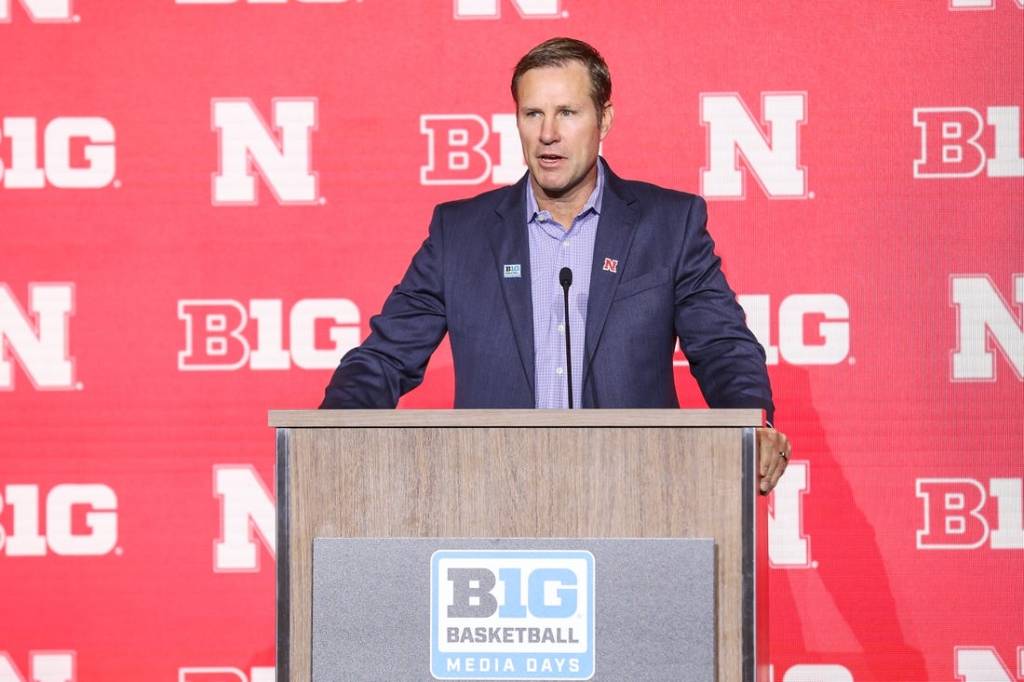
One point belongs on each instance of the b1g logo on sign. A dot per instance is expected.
(512, 615)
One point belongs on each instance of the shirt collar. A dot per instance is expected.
(593, 201)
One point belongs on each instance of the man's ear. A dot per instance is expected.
(606, 119)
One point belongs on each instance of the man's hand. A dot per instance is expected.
(775, 449)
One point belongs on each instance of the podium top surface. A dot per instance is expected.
(514, 418)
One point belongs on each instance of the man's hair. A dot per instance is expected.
(560, 51)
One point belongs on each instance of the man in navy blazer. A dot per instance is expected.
(653, 277)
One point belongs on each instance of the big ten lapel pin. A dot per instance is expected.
(513, 271)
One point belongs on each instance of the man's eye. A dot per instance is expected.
(567, 112)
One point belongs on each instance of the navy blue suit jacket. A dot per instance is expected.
(668, 283)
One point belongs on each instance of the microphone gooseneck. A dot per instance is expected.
(565, 279)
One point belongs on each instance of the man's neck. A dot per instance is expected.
(565, 208)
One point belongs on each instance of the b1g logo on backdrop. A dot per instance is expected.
(954, 513)
(259, 2)
(951, 146)
(984, 4)
(771, 151)
(512, 615)
(39, 338)
(81, 520)
(78, 153)
(43, 666)
(813, 672)
(40, 11)
(218, 334)
(491, 9)
(224, 674)
(247, 144)
(985, 322)
(788, 545)
(809, 329)
(460, 152)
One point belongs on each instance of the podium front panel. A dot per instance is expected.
(572, 609)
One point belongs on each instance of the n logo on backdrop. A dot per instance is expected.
(248, 146)
(43, 666)
(491, 9)
(985, 322)
(247, 511)
(770, 151)
(39, 338)
(984, 664)
(40, 11)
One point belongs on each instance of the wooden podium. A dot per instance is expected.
(525, 474)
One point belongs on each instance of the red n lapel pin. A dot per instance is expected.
(610, 265)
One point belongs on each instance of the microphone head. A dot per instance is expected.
(565, 277)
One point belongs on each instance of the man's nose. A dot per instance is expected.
(549, 130)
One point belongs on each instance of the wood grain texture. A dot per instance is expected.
(517, 482)
(536, 418)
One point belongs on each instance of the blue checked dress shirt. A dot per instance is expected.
(551, 249)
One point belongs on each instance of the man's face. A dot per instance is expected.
(559, 128)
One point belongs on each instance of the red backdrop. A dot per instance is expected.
(202, 204)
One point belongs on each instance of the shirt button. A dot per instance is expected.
(559, 370)
(561, 328)
(565, 242)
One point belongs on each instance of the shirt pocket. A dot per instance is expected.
(648, 280)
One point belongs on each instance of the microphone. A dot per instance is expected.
(565, 279)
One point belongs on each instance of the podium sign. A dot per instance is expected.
(513, 609)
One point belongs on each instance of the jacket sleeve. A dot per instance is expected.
(724, 356)
(392, 359)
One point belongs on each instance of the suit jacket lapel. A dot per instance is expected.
(511, 246)
(615, 230)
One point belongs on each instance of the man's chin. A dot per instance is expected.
(553, 187)
(554, 192)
